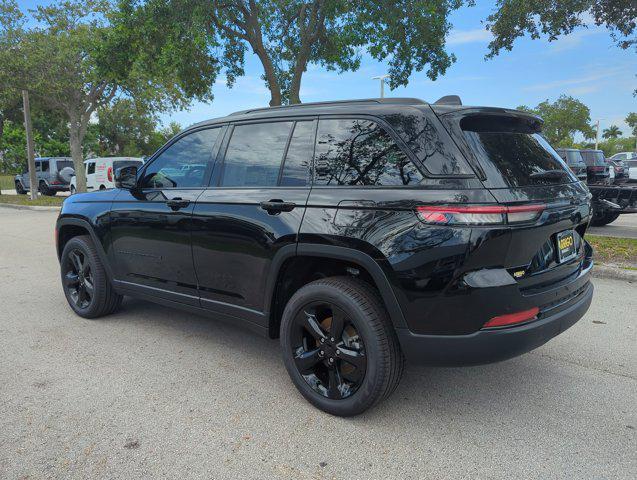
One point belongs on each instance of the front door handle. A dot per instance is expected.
(276, 206)
(177, 203)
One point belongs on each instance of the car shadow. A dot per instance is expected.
(485, 390)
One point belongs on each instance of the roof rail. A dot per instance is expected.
(390, 101)
(449, 100)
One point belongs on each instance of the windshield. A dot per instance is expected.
(126, 163)
(519, 158)
(593, 157)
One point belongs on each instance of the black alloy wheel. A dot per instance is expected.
(78, 279)
(328, 350)
(339, 345)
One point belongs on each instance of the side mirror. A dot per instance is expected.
(126, 177)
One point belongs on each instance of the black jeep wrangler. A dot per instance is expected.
(360, 233)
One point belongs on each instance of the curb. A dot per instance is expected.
(30, 207)
(615, 273)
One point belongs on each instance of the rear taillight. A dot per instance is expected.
(109, 174)
(479, 214)
(512, 318)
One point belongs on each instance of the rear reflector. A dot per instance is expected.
(512, 318)
(479, 214)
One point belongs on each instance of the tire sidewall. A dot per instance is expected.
(367, 393)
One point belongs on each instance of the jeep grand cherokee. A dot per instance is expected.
(359, 233)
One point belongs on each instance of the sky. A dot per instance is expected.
(585, 64)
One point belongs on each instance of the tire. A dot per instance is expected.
(102, 187)
(43, 188)
(72, 190)
(358, 304)
(604, 219)
(80, 251)
(19, 189)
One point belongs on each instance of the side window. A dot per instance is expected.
(184, 163)
(90, 168)
(298, 160)
(254, 154)
(360, 152)
(45, 166)
(38, 166)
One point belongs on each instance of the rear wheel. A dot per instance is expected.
(44, 189)
(601, 219)
(339, 346)
(86, 285)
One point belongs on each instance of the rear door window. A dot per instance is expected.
(254, 154)
(512, 154)
(360, 152)
(298, 159)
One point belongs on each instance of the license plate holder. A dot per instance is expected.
(565, 246)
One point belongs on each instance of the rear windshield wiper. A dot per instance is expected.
(549, 175)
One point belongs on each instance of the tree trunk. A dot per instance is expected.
(33, 181)
(295, 86)
(75, 141)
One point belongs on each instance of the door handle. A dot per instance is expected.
(276, 206)
(177, 203)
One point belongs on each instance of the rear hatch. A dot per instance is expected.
(519, 167)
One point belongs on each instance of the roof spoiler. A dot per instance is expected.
(449, 100)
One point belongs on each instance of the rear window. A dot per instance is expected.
(574, 158)
(513, 150)
(62, 164)
(593, 157)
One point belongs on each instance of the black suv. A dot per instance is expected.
(596, 167)
(360, 233)
(574, 160)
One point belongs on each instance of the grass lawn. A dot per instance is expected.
(6, 182)
(25, 200)
(621, 251)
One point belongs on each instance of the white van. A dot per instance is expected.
(100, 172)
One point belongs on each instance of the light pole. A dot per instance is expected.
(382, 84)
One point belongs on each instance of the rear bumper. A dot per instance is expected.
(494, 345)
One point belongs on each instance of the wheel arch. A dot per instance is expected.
(310, 254)
(67, 228)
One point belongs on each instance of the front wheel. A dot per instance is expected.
(19, 189)
(72, 190)
(339, 346)
(84, 280)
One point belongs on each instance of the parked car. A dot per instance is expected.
(359, 233)
(619, 171)
(53, 175)
(574, 160)
(597, 169)
(632, 169)
(100, 171)
(624, 156)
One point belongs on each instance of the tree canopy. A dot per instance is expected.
(289, 35)
(563, 119)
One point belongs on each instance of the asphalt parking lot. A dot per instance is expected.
(625, 226)
(156, 393)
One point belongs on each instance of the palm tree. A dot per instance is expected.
(612, 132)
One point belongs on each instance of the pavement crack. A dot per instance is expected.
(588, 367)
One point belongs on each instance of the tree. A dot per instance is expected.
(513, 19)
(562, 119)
(631, 120)
(66, 62)
(612, 132)
(288, 36)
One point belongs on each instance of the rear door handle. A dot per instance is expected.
(275, 206)
(177, 203)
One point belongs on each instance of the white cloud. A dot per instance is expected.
(477, 35)
(579, 80)
(583, 90)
